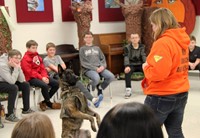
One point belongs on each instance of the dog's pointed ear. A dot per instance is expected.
(60, 70)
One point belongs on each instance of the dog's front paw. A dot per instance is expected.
(98, 119)
(94, 128)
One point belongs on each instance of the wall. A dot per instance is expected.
(62, 32)
(196, 31)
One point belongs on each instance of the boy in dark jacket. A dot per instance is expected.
(134, 57)
(194, 55)
(36, 74)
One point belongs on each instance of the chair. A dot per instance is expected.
(136, 76)
(194, 73)
(34, 89)
(4, 97)
(86, 81)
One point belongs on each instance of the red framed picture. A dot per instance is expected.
(66, 11)
(2, 3)
(108, 13)
(34, 11)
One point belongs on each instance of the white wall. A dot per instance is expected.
(196, 31)
(60, 32)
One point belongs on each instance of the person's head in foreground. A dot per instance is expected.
(130, 120)
(36, 125)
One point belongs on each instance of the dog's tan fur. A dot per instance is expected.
(74, 110)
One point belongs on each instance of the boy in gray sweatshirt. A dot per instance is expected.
(12, 80)
(94, 64)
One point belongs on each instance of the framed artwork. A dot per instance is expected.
(109, 11)
(66, 11)
(67, 15)
(2, 3)
(34, 11)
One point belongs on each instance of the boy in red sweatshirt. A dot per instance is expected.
(36, 74)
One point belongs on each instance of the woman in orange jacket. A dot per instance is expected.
(166, 81)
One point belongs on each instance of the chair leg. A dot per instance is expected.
(34, 98)
(110, 91)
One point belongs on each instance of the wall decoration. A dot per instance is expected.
(34, 11)
(5, 33)
(2, 3)
(185, 14)
(197, 4)
(111, 4)
(132, 12)
(66, 11)
(108, 11)
(35, 5)
(82, 14)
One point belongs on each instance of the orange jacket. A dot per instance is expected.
(167, 72)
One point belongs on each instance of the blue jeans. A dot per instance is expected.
(170, 111)
(95, 77)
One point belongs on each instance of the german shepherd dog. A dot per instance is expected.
(74, 107)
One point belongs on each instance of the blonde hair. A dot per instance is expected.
(164, 19)
(49, 45)
(36, 125)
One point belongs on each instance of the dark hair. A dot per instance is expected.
(31, 43)
(88, 33)
(130, 120)
(14, 52)
(192, 38)
(49, 45)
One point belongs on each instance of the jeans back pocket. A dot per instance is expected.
(166, 104)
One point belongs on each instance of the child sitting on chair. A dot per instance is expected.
(134, 57)
(51, 62)
(36, 74)
(94, 64)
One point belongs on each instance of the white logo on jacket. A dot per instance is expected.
(36, 60)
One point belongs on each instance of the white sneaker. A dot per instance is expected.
(128, 93)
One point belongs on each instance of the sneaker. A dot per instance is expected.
(56, 106)
(128, 93)
(12, 118)
(43, 106)
(98, 101)
(28, 111)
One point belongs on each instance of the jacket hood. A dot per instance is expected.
(4, 58)
(179, 35)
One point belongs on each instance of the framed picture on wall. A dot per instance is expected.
(34, 11)
(66, 11)
(67, 15)
(109, 11)
(2, 3)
